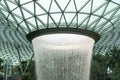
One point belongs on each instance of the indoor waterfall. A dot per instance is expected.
(63, 58)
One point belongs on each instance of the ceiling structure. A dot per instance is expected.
(20, 17)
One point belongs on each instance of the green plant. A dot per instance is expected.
(30, 72)
(106, 66)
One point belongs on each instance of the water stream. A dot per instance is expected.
(63, 59)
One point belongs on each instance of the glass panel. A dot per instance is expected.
(117, 1)
(54, 7)
(99, 25)
(62, 3)
(43, 19)
(11, 5)
(29, 7)
(33, 22)
(2, 4)
(26, 14)
(97, 3)
(117, 24)
(63, 22)
(81, 19)
(18, 12)
(110, 15)
(5, 13)
(111, 6)
(45, 3)
(71, 7)
(117, 14)
(24, 1)
(11, 18)
(100, 11)
(87, 8)
(69, 17)
(39, 10)
(80, 3)
(52, 23)
(24, 25)
(92, 19)
(18, 19)
(56, 17)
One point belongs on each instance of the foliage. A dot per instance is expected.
(1, 67)
(1, 61)
(114, 64)
(28, 76)
(99, 67)
(30, 72)
(106, 66)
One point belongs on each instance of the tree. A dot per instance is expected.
(99, 67)
(30, 72)
(106, 66)
(114, 63)
(1, 69)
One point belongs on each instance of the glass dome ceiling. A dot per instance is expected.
(31, 15)
(20, 17)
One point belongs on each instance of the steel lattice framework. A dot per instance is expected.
(20, 17)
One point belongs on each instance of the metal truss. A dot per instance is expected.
(26, 16)
(100, 19)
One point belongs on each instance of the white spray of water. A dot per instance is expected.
(64, 62)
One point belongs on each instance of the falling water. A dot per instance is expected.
(63, 62)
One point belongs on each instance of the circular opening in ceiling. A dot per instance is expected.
(62, 40)
(72, 31)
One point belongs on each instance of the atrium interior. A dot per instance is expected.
(59, 39)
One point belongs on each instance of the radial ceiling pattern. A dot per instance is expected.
(13, 45)
(20, 17)
(29, 15)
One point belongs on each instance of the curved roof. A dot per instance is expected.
(20, 17)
